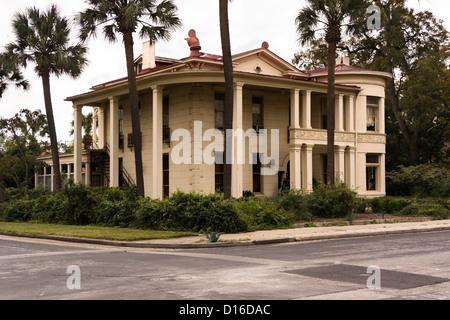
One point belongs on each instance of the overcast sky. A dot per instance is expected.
(251, 23)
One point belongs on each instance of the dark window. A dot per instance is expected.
(371, 178)
(219, 108)
(372, 113)
(166, 128)
(324, 166)
(256, 173)
(120, 119)
(166, 189)
(257, 113)
(372, 165)
(323, 113)
(121, 127)
(218, 171)
(372, 158)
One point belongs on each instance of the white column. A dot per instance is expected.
(295, 162)
(382, 174)
(381, 120)
(87, 174)
(339, 112)
(113, 141)
(340, 162)
(350, 167)
(101, 127)
(307, 168)
(94, 126)
(350, 113)
(295, 108)
(306, 109)
(77, 143)
(157, 149)
(295, 148)
(237, 167)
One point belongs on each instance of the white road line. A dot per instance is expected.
(56, 253)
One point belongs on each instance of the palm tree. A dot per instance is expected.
(42, 38)
(228, 72)
(157, 19)
(10, 75)
(331, 16)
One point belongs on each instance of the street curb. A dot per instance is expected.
(224, 243)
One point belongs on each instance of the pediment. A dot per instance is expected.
(263, 61)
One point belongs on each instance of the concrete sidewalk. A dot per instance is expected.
(306, 234)
(271, 236)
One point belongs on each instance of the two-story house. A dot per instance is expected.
(276, 106)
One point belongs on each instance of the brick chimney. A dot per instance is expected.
(148, 55)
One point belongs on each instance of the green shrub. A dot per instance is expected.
(190, 212)
(329, 201)
(149, 214)
(77, 204)
(392, 205)
(294, 201)
(423, 180)
(117, 207)
(361, 204)
(434, 210)
(16, 210)
(264, 213)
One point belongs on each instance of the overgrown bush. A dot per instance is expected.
(391, 205)
(408, 206)
(116, 206)
(424, 180)
(435, 210)
(328, 201)
(294, 201)
(16, 210)
(77, 205)
(190, 212)
(263, 213)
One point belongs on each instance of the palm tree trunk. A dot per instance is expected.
(134, 106)
(52, 131)
(330, 111)
(228, 109)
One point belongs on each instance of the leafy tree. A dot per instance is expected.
(408, 45)
(42, 38)
(413, 46)
(314, 57)
(156, 19)
(86, 124)
(330, 16)
(21, 146)
(10, 75)
(228, 100)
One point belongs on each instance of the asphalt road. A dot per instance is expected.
(407, 266)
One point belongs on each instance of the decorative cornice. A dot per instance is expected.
(372, 138)
(317, 134)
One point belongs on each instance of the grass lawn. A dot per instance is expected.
(92, 232)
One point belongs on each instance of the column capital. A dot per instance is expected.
(157, 88)
(113, 99)
(339, 148)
